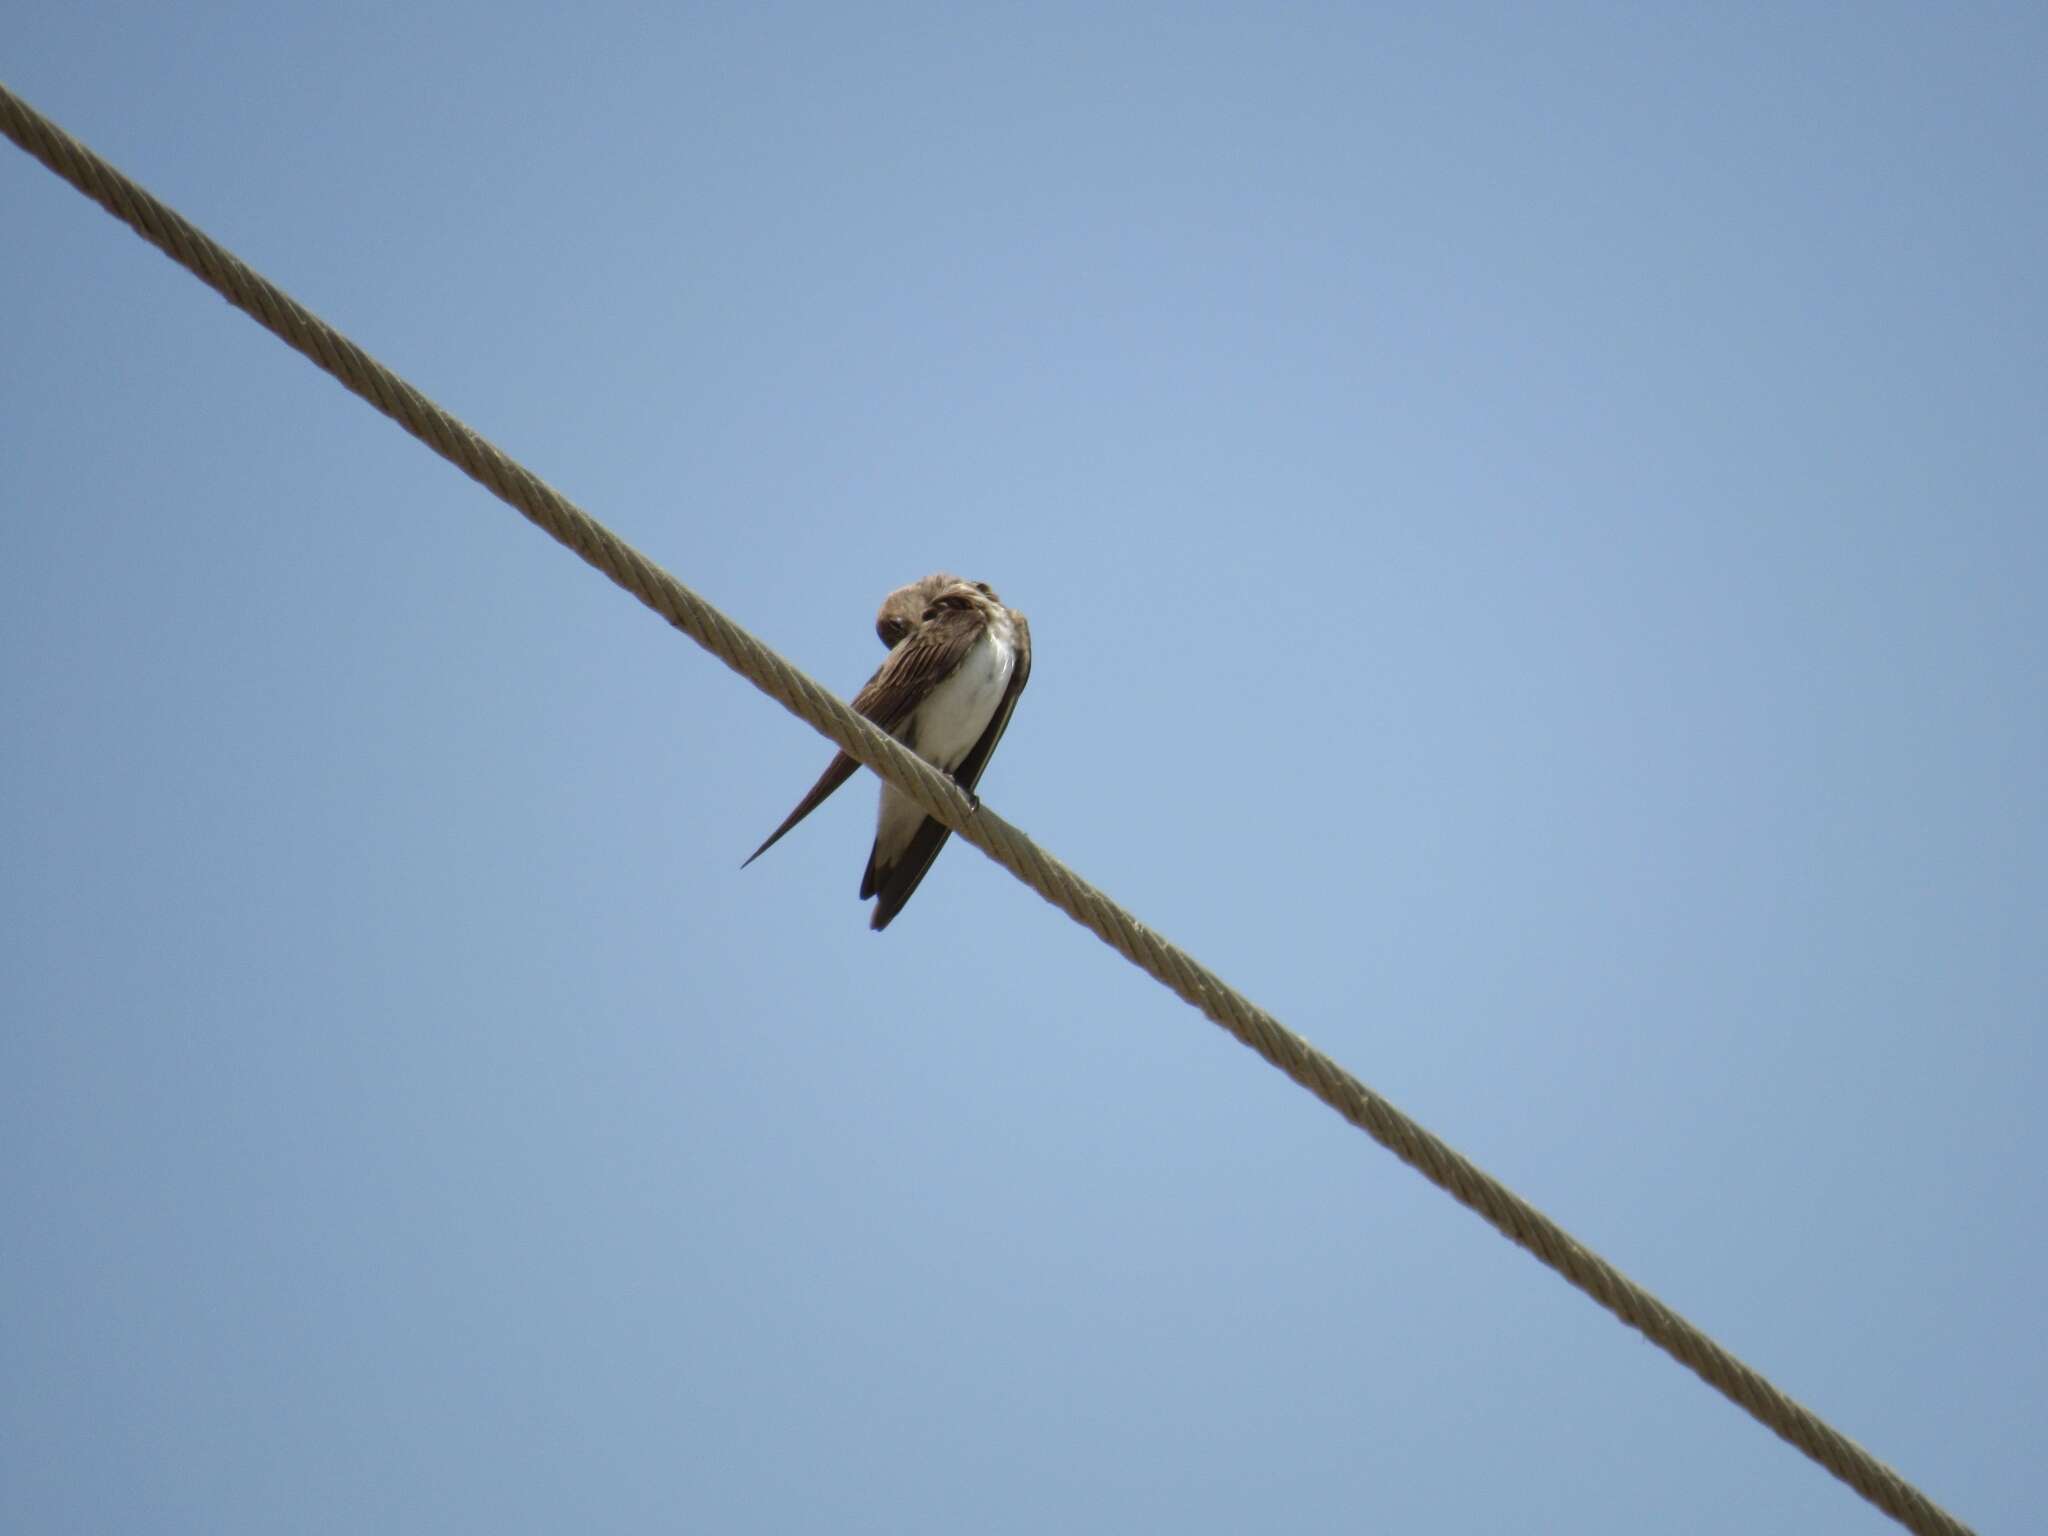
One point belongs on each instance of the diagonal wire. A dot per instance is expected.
(936, 794)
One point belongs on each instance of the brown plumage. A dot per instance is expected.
(902, 609)
(955, 646)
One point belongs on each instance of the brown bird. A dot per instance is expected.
(958, 660)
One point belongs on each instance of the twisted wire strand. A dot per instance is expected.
(936, 794)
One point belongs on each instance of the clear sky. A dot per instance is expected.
(1533, 523)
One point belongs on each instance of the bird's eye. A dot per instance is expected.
(931, 613)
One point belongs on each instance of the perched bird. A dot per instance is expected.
(958, 659)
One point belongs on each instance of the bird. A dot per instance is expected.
(958, 660)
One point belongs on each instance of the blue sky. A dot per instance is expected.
(1532, 522)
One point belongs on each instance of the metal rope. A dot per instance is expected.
(936, 794)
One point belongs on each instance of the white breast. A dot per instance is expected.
(952, 718)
